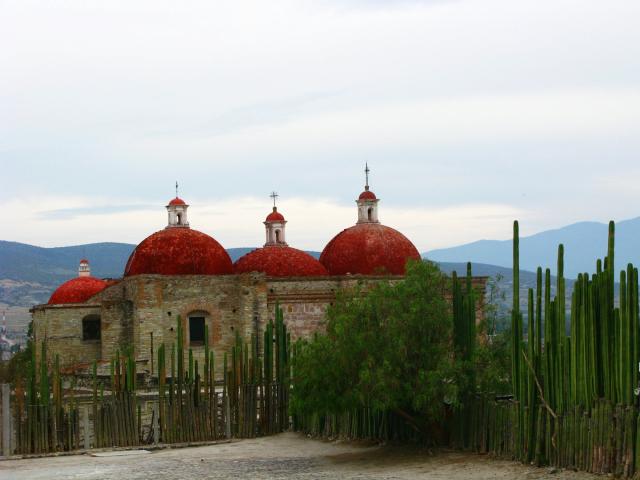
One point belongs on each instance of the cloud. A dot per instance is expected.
(237, 222)
(462, 105)
(72, 213)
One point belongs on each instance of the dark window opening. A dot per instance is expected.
(370, 214)
(179, 219)
(277, 235)
(91, 328)
(196, 330)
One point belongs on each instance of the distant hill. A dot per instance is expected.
(583, 243)
(29, 274)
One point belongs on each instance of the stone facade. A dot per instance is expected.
(140, 313)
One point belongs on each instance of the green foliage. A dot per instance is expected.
(17, 365)
(388, 349)
(492, 365)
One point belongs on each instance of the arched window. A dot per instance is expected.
(277, 236)
(370, 214)
(179, 218)
(91, 328)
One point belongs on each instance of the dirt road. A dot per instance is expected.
(285, 456)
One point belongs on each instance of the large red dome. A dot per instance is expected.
(368, 249)
(279, 261)
(179, 251)
(77, 290)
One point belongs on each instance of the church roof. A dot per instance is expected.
(177, 201)
(179, 251)
(368, 249)
(77, 290)
(275, 216)
(367, 195)
(279, 261)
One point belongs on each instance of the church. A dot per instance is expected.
(180, 272)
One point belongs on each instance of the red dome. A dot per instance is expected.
(280, 261)
(77, 290)
(368, 248)
(177, 201)
(367, 195)
(275, 216)
(179, 251)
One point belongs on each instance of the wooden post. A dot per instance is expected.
(227, 418)
(156, 424)
(85, 427)
(6, 420)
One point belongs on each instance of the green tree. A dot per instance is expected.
(388, 348)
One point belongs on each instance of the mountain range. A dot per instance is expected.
(29, 274)
(583, 242)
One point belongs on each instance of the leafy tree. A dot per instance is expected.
(388, 349)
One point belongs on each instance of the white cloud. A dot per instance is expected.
(238, 222)
(463, 107)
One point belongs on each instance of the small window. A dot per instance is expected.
(91, 327)
(179, 219)
(278, 236)
(196, 330)
(370, 214)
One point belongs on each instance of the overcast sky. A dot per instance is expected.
(471, 113)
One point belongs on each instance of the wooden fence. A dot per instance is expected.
(248, 398)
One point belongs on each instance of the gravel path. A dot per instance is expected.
(284, 456)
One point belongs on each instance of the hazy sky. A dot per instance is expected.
(471, 113)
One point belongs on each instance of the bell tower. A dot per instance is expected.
(367, 202)
(84, 270)
(177, 210)
(274, 225)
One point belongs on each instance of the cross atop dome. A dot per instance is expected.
(177, 210)
(367, 202)
(366, 176)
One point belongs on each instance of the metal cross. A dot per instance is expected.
(274, 195)
(176, 189)
(366, 173)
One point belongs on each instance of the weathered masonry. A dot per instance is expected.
(179, 272)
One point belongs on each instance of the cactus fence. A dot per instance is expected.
(249, 398)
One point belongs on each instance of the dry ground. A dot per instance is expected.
(285, 456)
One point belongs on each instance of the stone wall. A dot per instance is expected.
(305, 300)
(61, 327)
(144, 309)
(140, 312)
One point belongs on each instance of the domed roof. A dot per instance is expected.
(275, 216)
(368, 249)
(367, 195)
(177, 201)
(179, 251)
(77, 290)
(279, 261)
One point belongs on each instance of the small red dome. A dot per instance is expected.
(84, 260)
(367, 195)
(368, 249)
(279, 261)
(177, 201)
(179, 251)
(77, 290)
(275, 216)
